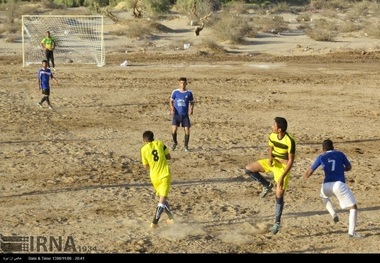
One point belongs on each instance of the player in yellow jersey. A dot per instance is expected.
(154, 157)
(282, 150)
(48, 44)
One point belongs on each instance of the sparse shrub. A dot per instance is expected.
(322, 30)
(137, 29)
(361, 9)
(211, 44)
(350, 26)
(372, 29)
(196, 9)
(140, 28)
(233, 28)
(281, 7)
(51, 4)
(303, 18)
(329, 4)
(156, 8)
(271, 24)
(329, 13)
(235, 7)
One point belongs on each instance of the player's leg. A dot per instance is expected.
(157, 215)
(325, 194)
(47, 54)
(254, 169)
(47, 96)
(175, 124)
(278, 170)
(186, 125)
(162, 190)
(44, 97)
(52, 59)
(347, 201)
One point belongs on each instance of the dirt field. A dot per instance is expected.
(75, 171)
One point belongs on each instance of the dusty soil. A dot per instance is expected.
(75, 171)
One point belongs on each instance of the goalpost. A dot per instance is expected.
(79, 39)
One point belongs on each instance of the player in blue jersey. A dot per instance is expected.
(154, 157)
(334, 163)
(44, 76)
(181, 107)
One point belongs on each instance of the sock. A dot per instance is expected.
(352, 221)
(174, 136)
(167, 210)
(329, 207)
(160, 208)
(257, 177)
(279, 208)
(187, 138)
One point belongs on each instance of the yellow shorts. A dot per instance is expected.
(162, 186)
(277, 169)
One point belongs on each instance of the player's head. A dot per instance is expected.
(281, 123)
(327, 145)
(48, 33)
(44, 63)
(148, 136)
(182, 79)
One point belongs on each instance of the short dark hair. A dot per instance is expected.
(328, 145)
(148, 136)
(44, 61)
(182, 79)
(281, 123)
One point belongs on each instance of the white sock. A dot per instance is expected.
(352, 221)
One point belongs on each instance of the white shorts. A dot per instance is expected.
(341, 191)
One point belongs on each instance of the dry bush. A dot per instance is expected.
(71, 11)
(372, 29)
(329, 4)
(50, 5)
(278, 8)
(329, 13)
(139, 28)
(350, 26)
(12, 38)
(211, 44)
(233, 28)
(322, 30)
(10, 29)
(303, 18)
(271, 24)
(361, 9)
(236, 7)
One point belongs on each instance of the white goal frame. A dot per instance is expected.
(79, 38)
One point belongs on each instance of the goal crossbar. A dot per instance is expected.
(79, 39)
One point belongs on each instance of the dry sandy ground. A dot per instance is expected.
(75, 172)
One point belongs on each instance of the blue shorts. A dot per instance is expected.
(181, 120)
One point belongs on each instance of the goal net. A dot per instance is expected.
(79, 39)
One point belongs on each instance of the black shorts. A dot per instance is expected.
(181, 120)
(46, 92)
